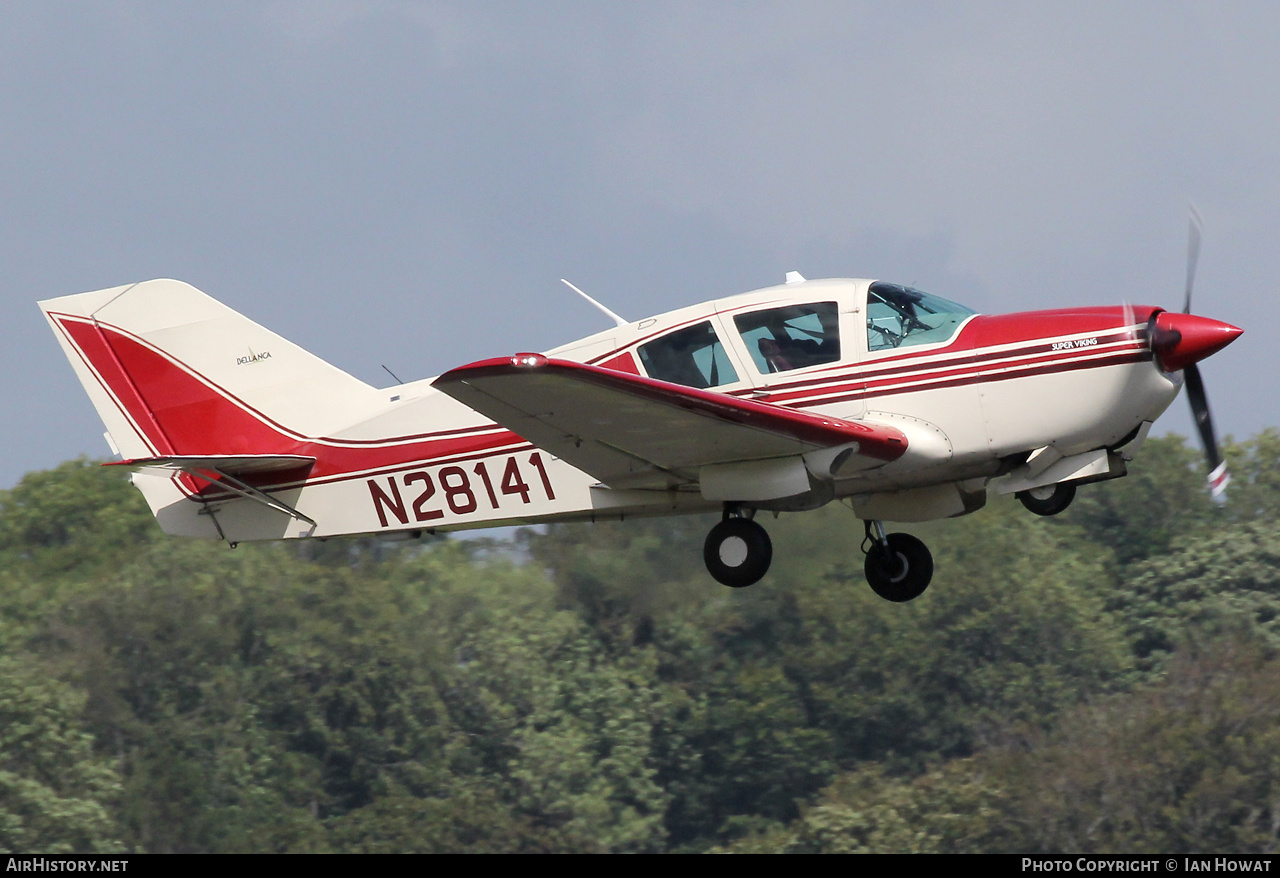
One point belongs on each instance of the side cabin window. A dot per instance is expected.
(692, 356)
(899, 316)
(792, 337)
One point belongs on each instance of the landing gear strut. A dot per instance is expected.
(899, 567)
(1049, 499)
(738, 550)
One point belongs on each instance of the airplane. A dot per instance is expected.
(901, 404)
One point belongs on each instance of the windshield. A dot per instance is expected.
(898, 315)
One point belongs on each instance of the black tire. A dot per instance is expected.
(737, 552)
(1049, 499)
(901, 574)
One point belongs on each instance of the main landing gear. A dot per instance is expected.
(899, 567)
(738, 551)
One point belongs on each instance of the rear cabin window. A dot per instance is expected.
(782, 339)
(692, 356)
(898, 316)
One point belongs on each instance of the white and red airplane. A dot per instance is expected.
(904, 405)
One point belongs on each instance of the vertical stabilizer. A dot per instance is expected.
(171, 371)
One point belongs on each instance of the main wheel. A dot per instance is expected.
(738, 552)
(1048, 499)
(902, 573)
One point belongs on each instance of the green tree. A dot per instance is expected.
(619, 576)
(473, 821)
(562, 727)
(1013, 628)
(56, 794)
(61, 528)
(170, 650)
(599, 692)
(1187, 765)
(956, 808)
(1224, 581)
(1254, 492)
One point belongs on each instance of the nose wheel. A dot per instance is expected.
(738, 551)
(1048, 500)
(899, 567)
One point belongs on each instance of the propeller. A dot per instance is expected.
(1180, 342)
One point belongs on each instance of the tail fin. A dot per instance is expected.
(173, 372)
(204, 404)
(269, 441)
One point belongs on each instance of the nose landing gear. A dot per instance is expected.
(1048, 500)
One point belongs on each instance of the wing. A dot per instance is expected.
(632, 432)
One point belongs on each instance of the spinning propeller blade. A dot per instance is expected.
(1180, 342)
(1193, 254)
(1219, 478)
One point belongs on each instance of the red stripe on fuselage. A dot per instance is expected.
(949, 356)
(996, 367)
(861, 391)
(1026, 347)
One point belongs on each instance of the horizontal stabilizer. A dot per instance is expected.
(224, 464)
(225, 471)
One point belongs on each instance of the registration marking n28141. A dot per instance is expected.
(463, 490)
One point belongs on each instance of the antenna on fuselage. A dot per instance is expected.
(614, 317)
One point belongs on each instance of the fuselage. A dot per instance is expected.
(974, 395)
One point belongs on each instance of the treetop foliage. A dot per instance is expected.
(1102, 681)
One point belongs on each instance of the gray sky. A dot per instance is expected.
(405, 182)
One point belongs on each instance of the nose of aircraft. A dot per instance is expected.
(1178, 340)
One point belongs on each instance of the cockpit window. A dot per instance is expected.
(692, 356)
(782, 339)
(898, 316)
